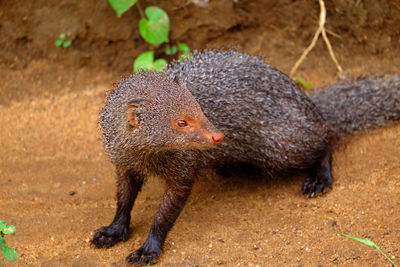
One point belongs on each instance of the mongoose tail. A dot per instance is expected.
(353, 106)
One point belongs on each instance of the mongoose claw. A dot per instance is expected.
(108, 236)
(313, 186)
(143, 256)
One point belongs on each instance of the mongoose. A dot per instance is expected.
(163, 124)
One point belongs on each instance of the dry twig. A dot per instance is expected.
(141, 13)
(321, 30)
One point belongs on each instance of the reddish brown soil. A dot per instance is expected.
(50, 143)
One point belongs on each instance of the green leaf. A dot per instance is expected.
(2, 225)
(121, 6)
(154, 29)
(185, 55)
(67, 43)
(62, 36)
(362, 240)
(59, 43)
(307, 85)
(2, 242)
(9, 229)
(160, 65)
(183, 47)
(144, 61)
(371, 244)
(171, 50)
(9, 253)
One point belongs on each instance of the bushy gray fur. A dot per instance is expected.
(352, 106)
(267, 120)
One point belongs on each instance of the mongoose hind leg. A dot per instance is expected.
(171, 205)
(129, 185)
(320, 178)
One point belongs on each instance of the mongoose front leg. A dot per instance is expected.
(321, 176)
(129, 185)
(171, 205)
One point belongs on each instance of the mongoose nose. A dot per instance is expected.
(217, 138)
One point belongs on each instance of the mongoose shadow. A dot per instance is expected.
(222, 108)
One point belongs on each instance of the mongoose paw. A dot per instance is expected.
(143, 256)
(108, 236)
(314, 186)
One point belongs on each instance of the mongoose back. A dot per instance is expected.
(163, 124)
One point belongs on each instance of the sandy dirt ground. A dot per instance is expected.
(57, 187)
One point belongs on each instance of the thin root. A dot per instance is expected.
(320, 30)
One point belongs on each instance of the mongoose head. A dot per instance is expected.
(162, 112)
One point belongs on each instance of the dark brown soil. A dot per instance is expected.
(50, 143)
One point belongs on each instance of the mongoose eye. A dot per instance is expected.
(182, 123)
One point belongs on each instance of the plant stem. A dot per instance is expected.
(387, 257)
(141, 13)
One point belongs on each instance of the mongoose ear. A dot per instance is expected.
(132, 111)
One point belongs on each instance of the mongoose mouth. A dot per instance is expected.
(207, 140)
(197, 141)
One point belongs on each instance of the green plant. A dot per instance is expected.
(371, 244)
(8, 252)
(121, 6)
(145, 61)
(63, 41)
(182, 48)
(306, 85)
(154, 28)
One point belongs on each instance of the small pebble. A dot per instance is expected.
(71, 193)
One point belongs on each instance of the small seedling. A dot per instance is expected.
(145, 61)
(306, 85)
(184, 51)
(171, 50)
(8, 252)
(154, 28)
(63, 41)
(369, 243)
